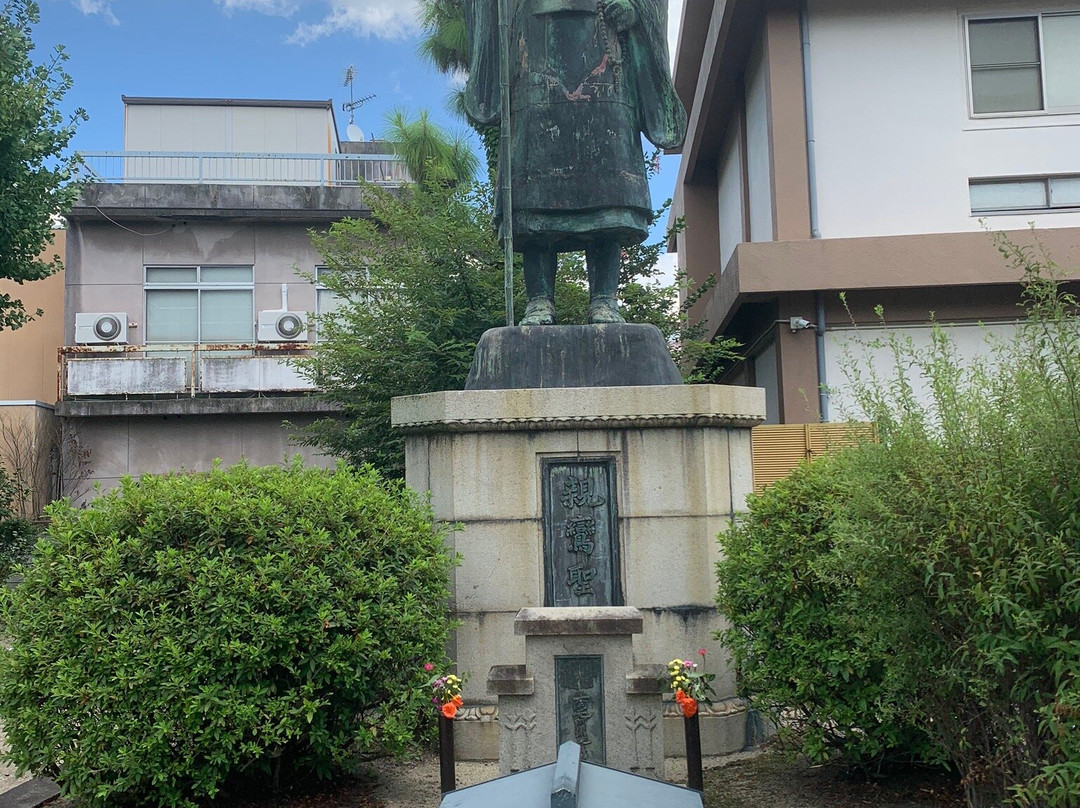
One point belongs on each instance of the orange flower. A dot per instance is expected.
(457, 701)
(689, 707)
(680, 697)
(449, 710)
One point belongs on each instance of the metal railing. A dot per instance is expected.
(180, 370)
(242, 168)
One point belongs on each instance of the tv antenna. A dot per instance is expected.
(353, 104)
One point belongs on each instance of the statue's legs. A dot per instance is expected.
(603, 260)
(539, 267)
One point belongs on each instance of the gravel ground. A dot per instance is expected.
(8, 780)
(765, 779)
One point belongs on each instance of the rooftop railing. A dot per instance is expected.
(242, 168)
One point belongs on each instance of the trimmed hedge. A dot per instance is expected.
(186, 628)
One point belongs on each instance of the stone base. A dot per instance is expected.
(615, 355)
(681, 468)
(723, 732)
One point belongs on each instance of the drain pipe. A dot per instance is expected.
(811, 172)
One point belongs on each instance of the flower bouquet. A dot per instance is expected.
(445, 692)
(690, 683)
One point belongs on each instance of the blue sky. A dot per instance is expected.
(292, 49)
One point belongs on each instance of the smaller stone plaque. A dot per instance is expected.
(579, 705)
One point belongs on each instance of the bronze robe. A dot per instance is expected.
(581, 97)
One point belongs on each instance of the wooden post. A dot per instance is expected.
(447, 776)
(692, 730)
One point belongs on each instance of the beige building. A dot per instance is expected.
(191, 279)
(28, 428)
(864, 146)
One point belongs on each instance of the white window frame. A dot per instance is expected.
(198, 287)
(1014, 15)
(1046, 179)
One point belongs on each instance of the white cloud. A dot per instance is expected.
(277, 8)
(384, 19)
(102, 7)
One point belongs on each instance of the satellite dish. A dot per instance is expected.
(354, 132)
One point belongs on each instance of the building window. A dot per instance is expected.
(1025, 64)
(1025, 194)
(193, 304)
(327, 301)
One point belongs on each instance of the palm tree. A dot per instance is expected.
(430, 153)
(444, 42)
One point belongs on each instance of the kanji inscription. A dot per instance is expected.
(581, 553)
(579, 704)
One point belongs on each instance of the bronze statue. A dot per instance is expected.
(587, 79)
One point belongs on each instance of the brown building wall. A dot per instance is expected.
(28, 354)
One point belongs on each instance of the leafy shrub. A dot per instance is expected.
(809, 652)
(17, 535)
(958, 537)
(190, 627)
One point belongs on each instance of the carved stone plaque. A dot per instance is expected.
(579, 704)
(581, 543)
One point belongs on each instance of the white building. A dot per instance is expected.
(864, 146)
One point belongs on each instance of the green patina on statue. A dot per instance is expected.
(587, 78)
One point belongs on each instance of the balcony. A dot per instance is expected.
(242, 168)
(178, 371)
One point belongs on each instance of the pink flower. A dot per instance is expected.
(701, 651)
(429, 667)
(688, 664)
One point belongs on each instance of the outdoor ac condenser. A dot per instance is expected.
(282, 326)
(101, 328)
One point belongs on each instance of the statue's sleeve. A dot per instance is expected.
(663, 118)
(482, 90)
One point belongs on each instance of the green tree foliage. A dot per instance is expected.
(185, 630)
(431, 154)
(35, 173)
(948, 554)
(444, 42)
(420, 282)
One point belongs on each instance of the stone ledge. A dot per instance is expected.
(662, 406)
(646, 680)
(263, 405)
(578, 621)
(510, 680)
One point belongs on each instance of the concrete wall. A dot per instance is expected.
(156, 444)
(228, 128)
(895, 141)
(105, 263)
(28, 354)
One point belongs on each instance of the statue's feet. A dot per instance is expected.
(604, 310)
(539, 311)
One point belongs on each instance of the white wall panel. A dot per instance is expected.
(895, 142)
(866, 351)
(732, 223)
(759, 173)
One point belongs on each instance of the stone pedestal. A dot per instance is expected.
(579, 683)
(680, 466)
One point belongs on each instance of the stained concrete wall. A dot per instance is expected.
(105, 263)
(156, 444)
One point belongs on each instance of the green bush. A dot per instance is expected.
(952, 546)
(17, 535)
(809, 654)
(185, 629)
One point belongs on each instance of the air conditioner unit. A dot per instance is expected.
(101, 328)
(282, 326)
